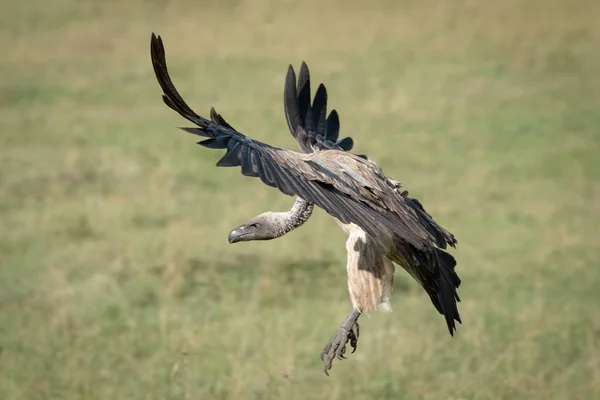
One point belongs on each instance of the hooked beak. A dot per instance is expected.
(236, 235)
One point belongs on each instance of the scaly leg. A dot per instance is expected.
(348, 332)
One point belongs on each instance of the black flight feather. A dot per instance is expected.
(319, 130)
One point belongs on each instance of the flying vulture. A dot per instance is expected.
(384, 225)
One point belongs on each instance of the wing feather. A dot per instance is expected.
(309, 123)
(363, 196)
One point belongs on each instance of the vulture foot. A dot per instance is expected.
(336, 347)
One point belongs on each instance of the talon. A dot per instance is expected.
(354, 338)
(337, 345)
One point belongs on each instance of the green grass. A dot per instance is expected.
(116, 278)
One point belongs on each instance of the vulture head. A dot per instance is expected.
(265, 226)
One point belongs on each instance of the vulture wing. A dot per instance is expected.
(348, 187)
(309, 123)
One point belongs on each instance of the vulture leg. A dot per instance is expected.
(370, 282)
(336, 347)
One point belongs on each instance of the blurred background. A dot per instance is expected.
(116, 278)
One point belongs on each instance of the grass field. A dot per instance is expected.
(116, 278)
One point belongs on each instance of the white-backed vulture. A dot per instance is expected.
(385, 226)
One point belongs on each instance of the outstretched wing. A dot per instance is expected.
(309, 123)
(347, 187)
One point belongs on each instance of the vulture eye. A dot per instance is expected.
(254, 225)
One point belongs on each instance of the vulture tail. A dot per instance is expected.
(441, 282)
(434, 270)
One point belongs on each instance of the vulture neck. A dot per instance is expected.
(298, 215)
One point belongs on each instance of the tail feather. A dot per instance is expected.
(441, 282)
(433, 268)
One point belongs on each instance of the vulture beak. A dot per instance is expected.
(236, 235)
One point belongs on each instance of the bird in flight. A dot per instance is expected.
(385, 226)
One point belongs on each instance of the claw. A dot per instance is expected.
(354, 337)
(336, 347)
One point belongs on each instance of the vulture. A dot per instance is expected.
(385, 226)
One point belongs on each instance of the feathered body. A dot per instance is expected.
(384, 225)
(370, 271)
